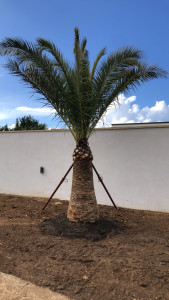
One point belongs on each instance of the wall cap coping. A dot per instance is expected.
(113, 127)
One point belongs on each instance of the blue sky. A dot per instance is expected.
(111, 23)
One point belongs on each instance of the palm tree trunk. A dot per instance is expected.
(83, 204)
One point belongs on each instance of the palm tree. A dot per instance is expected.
(80, 96)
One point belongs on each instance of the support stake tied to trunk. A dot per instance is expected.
(62, 180)
(100, 179)
(57, 187)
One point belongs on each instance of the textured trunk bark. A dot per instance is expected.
(83, 205)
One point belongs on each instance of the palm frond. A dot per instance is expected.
(121, 82)
(99, 56)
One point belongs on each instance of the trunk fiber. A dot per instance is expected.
(83, 205)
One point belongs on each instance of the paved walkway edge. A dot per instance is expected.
(14, 288)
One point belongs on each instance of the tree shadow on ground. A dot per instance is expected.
(61, 226)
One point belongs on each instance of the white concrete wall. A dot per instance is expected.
(133, 160)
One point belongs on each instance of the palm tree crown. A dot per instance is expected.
(79, 94)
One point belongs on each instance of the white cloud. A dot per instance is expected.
(35, 111)
(129, 112)
(6, 114)
(12, 126)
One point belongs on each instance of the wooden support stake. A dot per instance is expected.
(100, 179)
(57, 187)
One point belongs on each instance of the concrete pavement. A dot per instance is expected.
(13, 288)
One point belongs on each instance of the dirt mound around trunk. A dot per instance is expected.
(61, 226)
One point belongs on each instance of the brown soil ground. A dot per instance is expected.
(125, 255)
